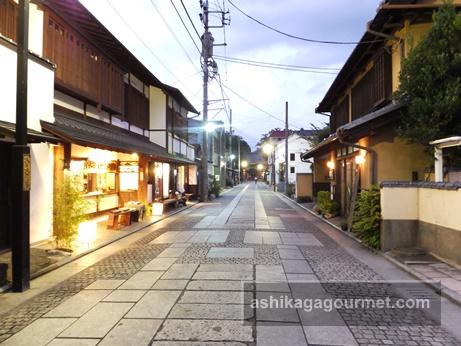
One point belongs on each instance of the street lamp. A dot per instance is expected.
(260, 167)
(244, 164)
(210, 127)
(268, 149)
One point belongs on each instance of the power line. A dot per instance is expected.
(277, 67)
(190, 19)
(255, 106)
(185, 27)
(277, 64)
(173, 34)
(298, 37)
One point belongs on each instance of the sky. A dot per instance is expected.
(154, 33)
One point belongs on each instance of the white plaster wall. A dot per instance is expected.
(296, 145)
(440, 207)
(399, 203)
(40, 90)
(35, 30)
(41, 192)
(157, 116)
(68, 102)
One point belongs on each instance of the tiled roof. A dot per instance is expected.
(9, 129)
(80, 132)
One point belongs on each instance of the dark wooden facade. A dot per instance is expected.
(372, 91)
(136, 107)
(8, 14)
(82, 68)
(176, 123)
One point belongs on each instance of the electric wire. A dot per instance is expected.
(174, 35)
(277, 67)
(146, 45)
(277, 64)
(190, 19)
(185, 26)
(299, 37)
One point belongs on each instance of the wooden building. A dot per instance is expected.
(363, 148)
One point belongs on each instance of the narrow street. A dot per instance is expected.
(181, 284)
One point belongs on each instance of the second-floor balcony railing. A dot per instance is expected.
(179, 146)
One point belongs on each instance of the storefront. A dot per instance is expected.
(108, 179)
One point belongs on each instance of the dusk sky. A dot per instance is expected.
(268, 89)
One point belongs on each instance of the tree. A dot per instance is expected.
(320, 133)
(430, 82)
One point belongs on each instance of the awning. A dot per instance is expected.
(79, 131)
(33, 136)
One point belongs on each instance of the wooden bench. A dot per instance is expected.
(170, 201)
(119, 218)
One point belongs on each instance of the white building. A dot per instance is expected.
(297, 144)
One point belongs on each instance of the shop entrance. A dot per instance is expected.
(5, 200)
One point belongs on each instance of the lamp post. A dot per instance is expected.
(244, 165)
(269, 151)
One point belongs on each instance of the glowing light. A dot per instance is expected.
(260, 167)
(210, 127)
(331, 165)
(86, 232)
(244, 164)
(157, 209)
(100, 156)
(175, 172)
(232, 157)
(360, 159)
(268, 148)
(76, 166)
(135, 156)
(157, 170)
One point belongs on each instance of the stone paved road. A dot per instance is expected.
(182, 285)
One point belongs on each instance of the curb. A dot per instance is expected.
(445, 292)
(71, 259)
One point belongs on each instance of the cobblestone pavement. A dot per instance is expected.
(182, 285)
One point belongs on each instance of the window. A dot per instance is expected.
(292, 169)
(292, 157)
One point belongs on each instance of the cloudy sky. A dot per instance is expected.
(153, 31)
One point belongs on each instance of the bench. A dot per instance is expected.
(170, 201)
(119, 218)
(188, 196)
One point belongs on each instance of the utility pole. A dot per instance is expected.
(230, 147)
(207, 48)
(207, 56)
(238, 162)
(21, 161)
(286, 147)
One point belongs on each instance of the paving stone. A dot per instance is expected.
(180, 245)
(39, 332)
(215, 285)
(180, 271)
(129, 296)
(234, 276)
(211, 311)
(141, 280)
(296, 267)
(225, 268)
(301, 277)
(133, 332)
(172, 252)
(160, 264)
(275, 312)
(78, 304)
(200, 343)
(98, 321)
(154, 304)
(212, 297)
(276, 335)
(290, 254)
(196, 330)
(329, 335)
(73, 342)
(220, 252)
(170, 285)
(105, 285)
(268, 273)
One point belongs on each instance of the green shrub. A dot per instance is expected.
(367, 217)
(326, 206)
(216, 188)
(68, 212)
(290, 190)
